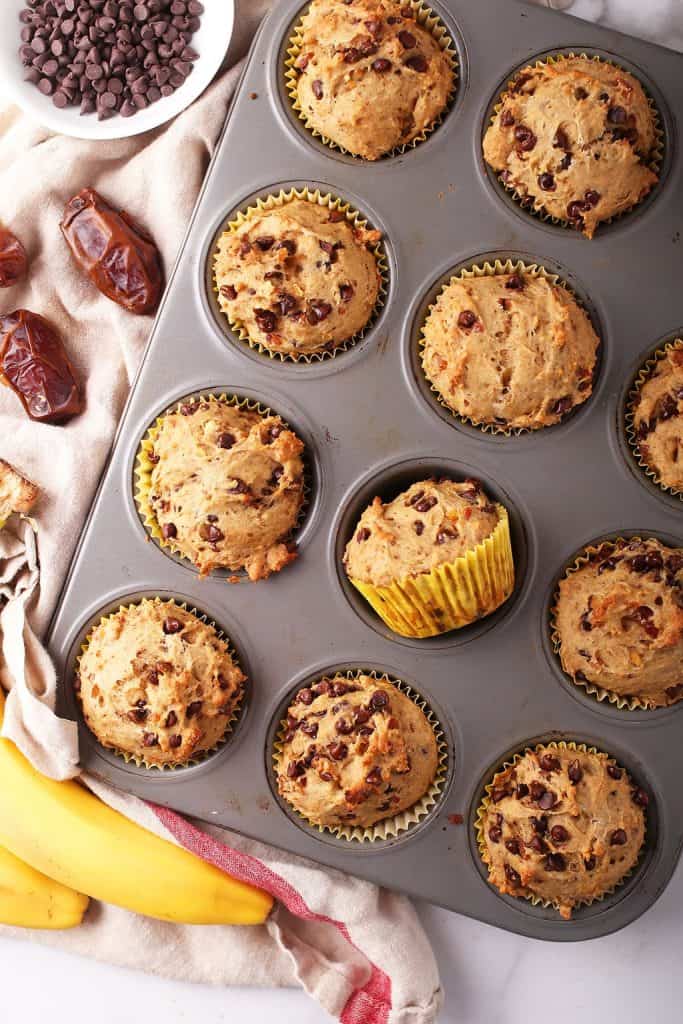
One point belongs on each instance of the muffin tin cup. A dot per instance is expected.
(388, 828)
(231, 720)
(479, 823)
(354, 217)
(425, 17)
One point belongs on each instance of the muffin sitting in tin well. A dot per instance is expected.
(562, 825)
(575, 137)
(299, 278)
(509, 350)
(619, 621)
(356, 751)
(158, 684)
(371, 77)
(657, 412)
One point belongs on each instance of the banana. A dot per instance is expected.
(29, 899)
(65, 832)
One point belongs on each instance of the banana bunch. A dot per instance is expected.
(29, 899)
(63, 831)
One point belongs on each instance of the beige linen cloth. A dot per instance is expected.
(358, 949)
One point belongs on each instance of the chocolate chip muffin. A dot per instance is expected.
(563, 825)
(226, 487)
(371, 77)
(17, 494)
(509, 350)
(656, 420)
(575, 139)
(619, 621)
(157, 683)
(299, 278)
(355, 751)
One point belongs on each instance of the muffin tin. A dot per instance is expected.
(372, 428)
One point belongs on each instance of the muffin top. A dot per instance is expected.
(227, 486)
(156, 682)
(656, 417)
(620, 621)
(563, 825)
(433, 522)
(512, 350)
(17, 494)
(575, 137)
(371, 77)
(355, 751)
(300, 278)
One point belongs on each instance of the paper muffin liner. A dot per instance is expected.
(654, 161)
(643, 375)
(451, 595)
(144, 467)
(388, 828)
(618, 700)
(230, 720)
(497, 268)
(480, 823)
(354, 218)
(425, 17)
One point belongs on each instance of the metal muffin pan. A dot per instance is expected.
(371, 427)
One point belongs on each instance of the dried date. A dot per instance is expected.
(35, 366)
(12, 258)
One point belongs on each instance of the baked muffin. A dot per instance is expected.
(575, 138)
(371, 77)
(17, 494)
(157, 683)
(619, 621)
(565, 826)
(510, 350)
(299, 278)
(355, 751)
(226, 487)
(656, 420)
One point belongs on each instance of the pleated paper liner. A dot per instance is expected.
(641, 378)
(230, 721)
(600, 694)
(494, 269)
(144, 467)
(479, 823)
(654, 161)
(451, 595)
(425, 17)
(354, 218)
(388, 828)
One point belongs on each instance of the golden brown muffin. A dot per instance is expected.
(17, 494)
(657, 415)
(575, 137)
(356, 751)
(509, 350)
(227, 487)
(619, 620)
(156, 682)
(300, 278)
(562, 825)
(433, 522)
(371, 77)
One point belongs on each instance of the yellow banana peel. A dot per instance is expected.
(29, 899)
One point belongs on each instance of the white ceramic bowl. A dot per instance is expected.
(211, 42)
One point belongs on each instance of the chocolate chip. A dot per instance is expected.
(363, 535)
(287, 303)
(419, 527)
(580, 93)
(547, 801)
(495, 833)
(575, 210)
(651, 561)
(512, 846)
(228, 291)
(381, 65)
(417, 63)
(317, 88)
(538, 844)
(591, 198)
(264, 243)
(507, 119)
(555, 862)
(590, 862)
(550, 763)
(407, 40)
(310, 729)
(640, 797)
(379, 700)
(192, 708)
(343, 726)
(169, 531)
(559, 834)
(614, 772)
(560, 140)
(295, 769)
(305, 696)
(467, 319)
(338, 751)
(515, 283)
(425, 504)
(537, 789)
(189, 408)
(150, 739)
(266, 320)
(618, 837)
(566, 162)
(374, 776)
(522, 791)
(616, 115)
(574, 771)
(562, 405)
(172, 625)
(512, 876)
(171, 719)
(499, 793)
(318, 310)
(546, 181)
(225, 439)
(346, 292)
(525, 138)
(540, 825)
(239, 487)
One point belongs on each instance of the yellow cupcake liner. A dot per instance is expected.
(654, 161)
(425, 17)
(496, 268)
(584, 558)
(480, 820)
(388, 828)
(451, 595)
(230, 720)
(354, 218)
(144, 467)
(641, 378)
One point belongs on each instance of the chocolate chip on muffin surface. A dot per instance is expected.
(657, 411)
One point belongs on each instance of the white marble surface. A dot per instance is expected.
(488, 976)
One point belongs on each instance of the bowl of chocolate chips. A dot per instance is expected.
(107, 69)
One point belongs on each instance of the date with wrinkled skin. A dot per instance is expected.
(35, 366)
(13, 260)
(118, 256)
